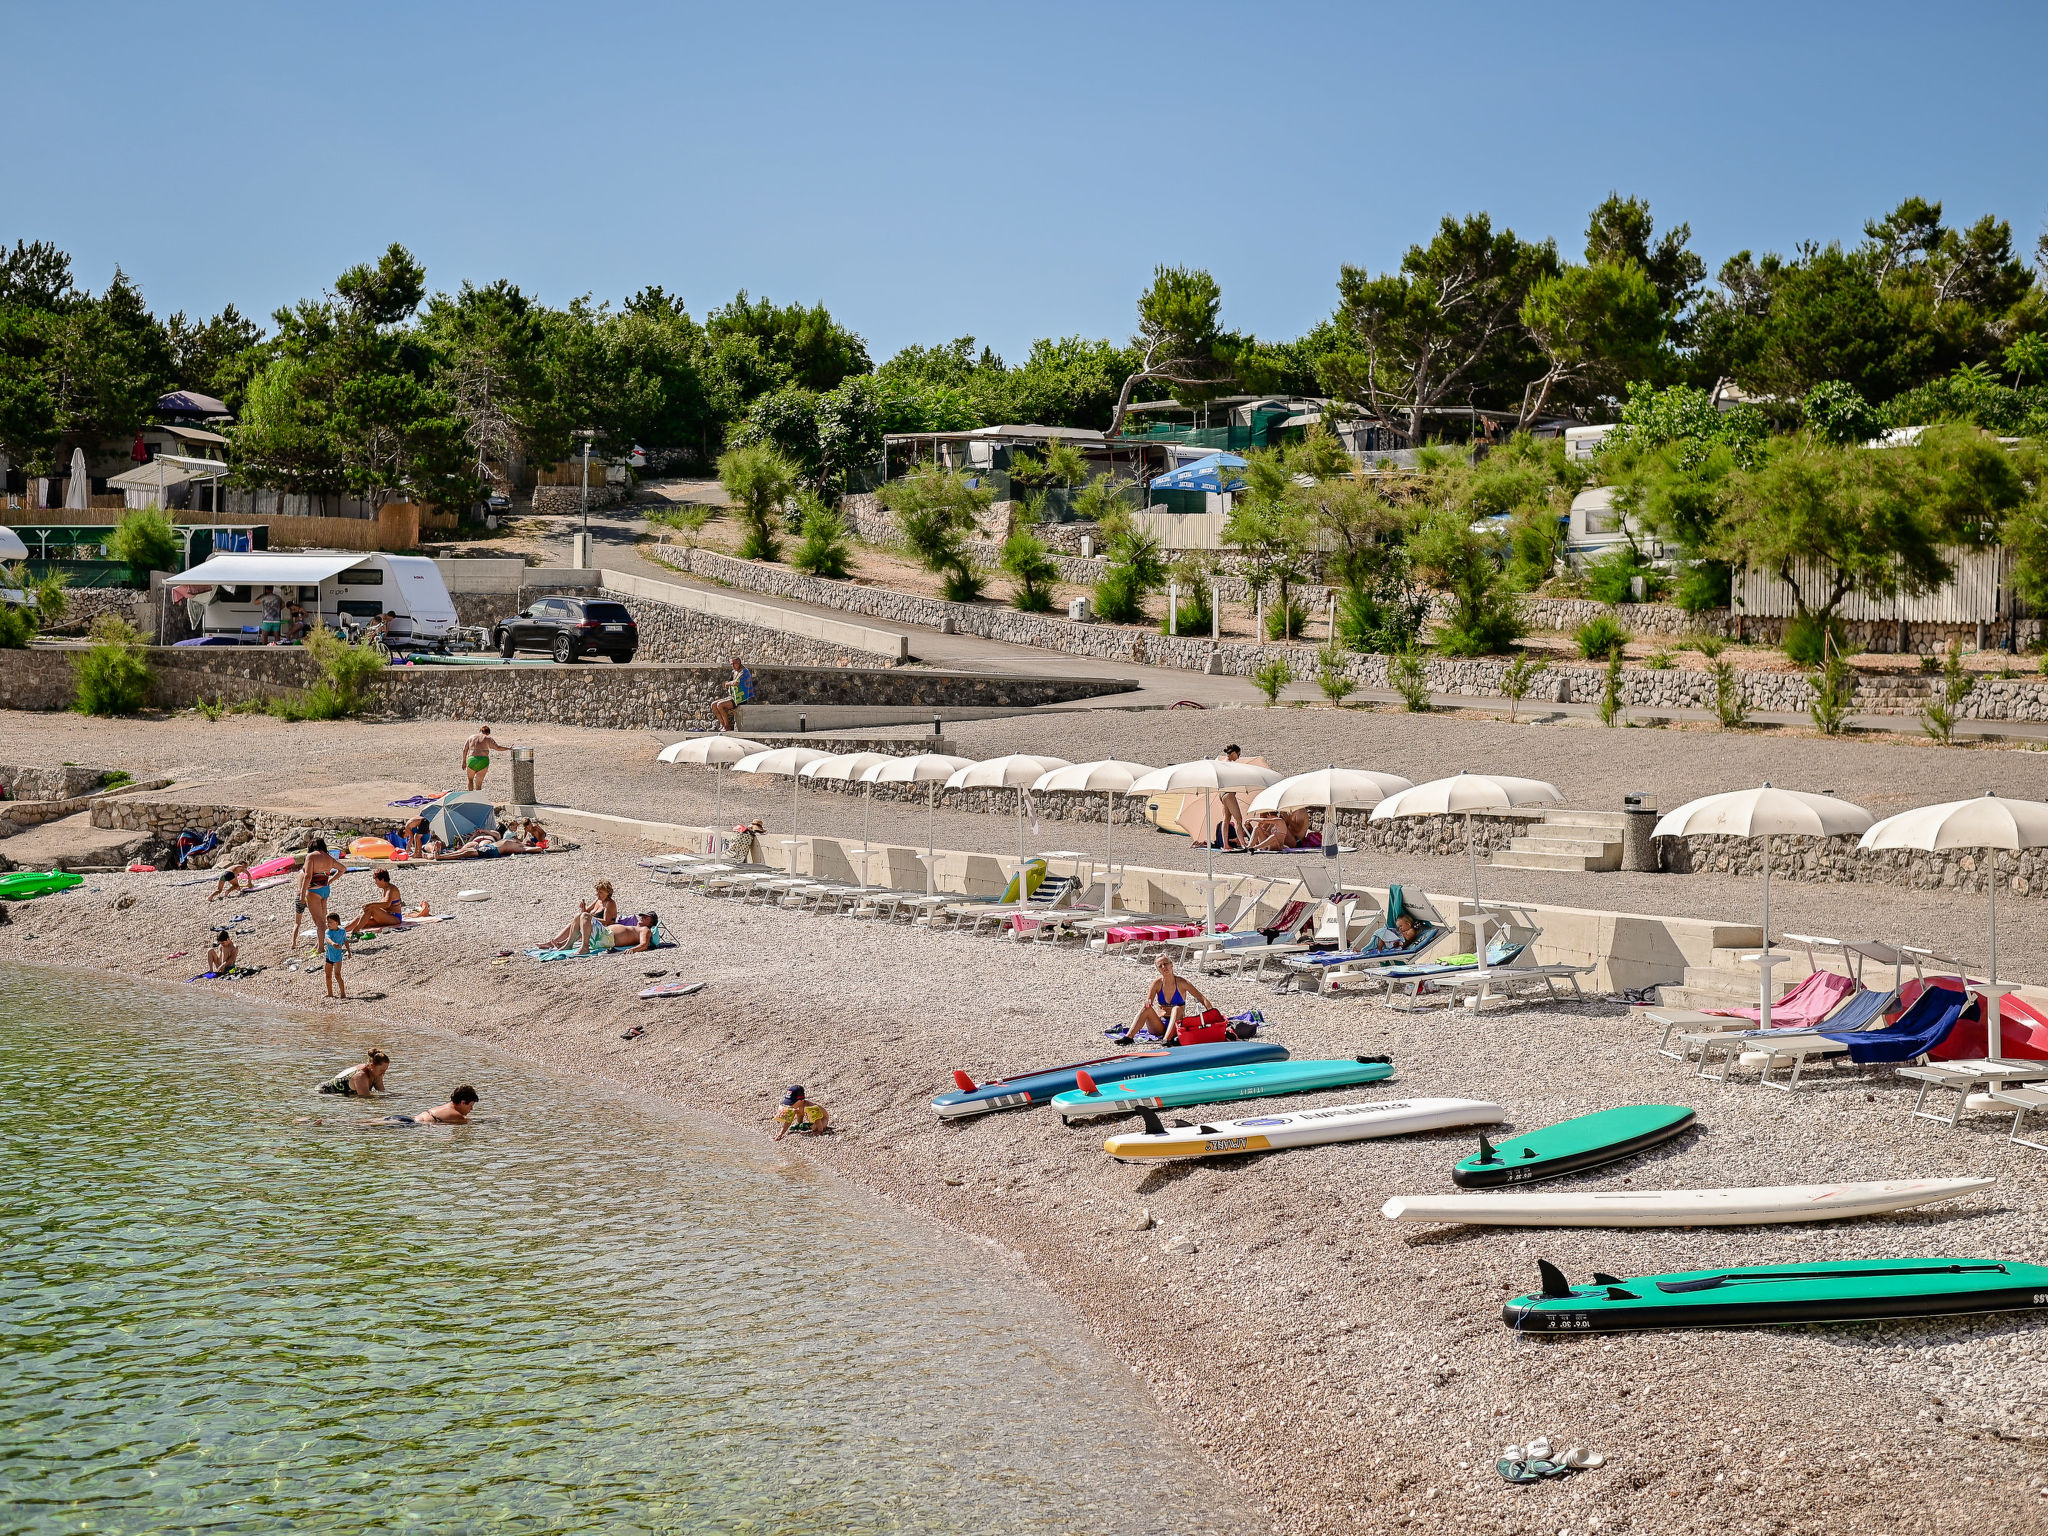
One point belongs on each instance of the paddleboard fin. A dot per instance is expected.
(1616, 1293)
(962, 1081)
(1555, 1285)
(1375, 1061)
(1152, 1125)
(1600, 1279)
(1086, 1083)
(1486, 1152)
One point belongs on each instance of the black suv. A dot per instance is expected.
(568, 628)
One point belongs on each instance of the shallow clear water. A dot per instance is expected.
(230, 1305)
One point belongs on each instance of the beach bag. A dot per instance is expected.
(1245, 1026)
(1206, 1030)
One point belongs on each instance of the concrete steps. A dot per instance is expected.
(1567, 840)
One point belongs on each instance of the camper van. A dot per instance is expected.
(337, 589)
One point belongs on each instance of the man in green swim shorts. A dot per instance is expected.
(476, 755)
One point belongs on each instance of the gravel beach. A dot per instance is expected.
(1347, 1373)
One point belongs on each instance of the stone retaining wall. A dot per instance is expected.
(567, 500)
(27, 782)
(669, 633)
(1836, 861)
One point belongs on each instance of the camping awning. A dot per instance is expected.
(267, 570)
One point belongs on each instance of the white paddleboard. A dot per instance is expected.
(1303, 1128)
(1681, 1207)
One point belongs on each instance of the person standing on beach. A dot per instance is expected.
(316, 882)
(337, 950)
(476, 755)
(1233, 814)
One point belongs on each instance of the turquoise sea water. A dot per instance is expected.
(228, 1304)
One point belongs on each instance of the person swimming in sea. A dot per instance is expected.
(454, 1112)
(359, 1082)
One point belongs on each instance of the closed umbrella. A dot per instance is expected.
(1206, 775)
(782, 760)
(847, 767)
(1468, 794)
(1110, 777)
(932, 768)
(1018, 771)
(1334, 789)
(461, 816)
(1991, 823)
(78, 489)
(1764, 812)
(719, 752)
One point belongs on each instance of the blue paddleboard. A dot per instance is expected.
(1216, 1085)
(972, 1098)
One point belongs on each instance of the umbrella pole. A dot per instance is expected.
(1994, 999)
(1764, 961)
(1478, 912)
(1209, 852)
(796, 786)
(1108, 849)
(867, 806)
(931, 840)
(718, 796)
(1336, 844)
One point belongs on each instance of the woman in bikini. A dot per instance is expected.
(359, 1082)
(387, 910)
(316, 883)
(1159, 1018)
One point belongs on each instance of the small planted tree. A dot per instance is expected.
(825, 550)
(1272, 676)
(145, 539)
(1028, 562)
(1730, 708)
(1610, 690)
(759, 480)
(935, 508)
(1834, 692)
(1517, 679)
(1333, 674)
(1195, 595)
(689, 519)
(1136, 569)
(1939, 719)
(112, 678)
(1601, 637)
(1464, 565)
(46, 597)
(1410, 679)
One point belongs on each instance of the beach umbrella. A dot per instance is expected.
(1206, 776)
(782, 760)
(1211, 473)
(461, 816)
(930, 768)
(1108, 776)
(1018, 771)
(1334, 789)
(719, 752)
(1990, 823)
(847, 767)
(1468, 794)
(1764, 812)
(78, 488)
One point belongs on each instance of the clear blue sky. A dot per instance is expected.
(946, 169)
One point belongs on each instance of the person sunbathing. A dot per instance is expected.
(485, 845)
(387, 911)
(234, 881)
(605, 910)
(593, 935)
(1160, 1015)
(1278, 831)
(1400, 935)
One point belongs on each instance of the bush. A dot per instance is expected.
(759, 480)
(1834, 690)
(16, 628)
(1808, 642)
(1518, 678)
(210, 711)
(1027, 561)
(1410, 679)
(1118, 599)
(1730, 708)
(1611, 577)
(1275, 675)
(1704, 584)
(47, 596)
(824, 550)
(689, 519)
(1602, 637)
(1659, 660)
(145, 539)
(112, 678)
(1135, 571)
(1610, 690)
(1285, 621)
(1381, 611)
(1333, 675)
(1194, 611)
(1709, 646)
(1486, 616)
(346, 672)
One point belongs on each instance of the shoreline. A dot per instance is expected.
(1340, 1373)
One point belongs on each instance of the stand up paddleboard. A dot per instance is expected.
(972, 1098)
(1303, 1128)
(1571, 1146)
(1843, 1291)
(1218, 1085)
(1682, 1207)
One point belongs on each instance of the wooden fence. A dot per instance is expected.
(396, 526)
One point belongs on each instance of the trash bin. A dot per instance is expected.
(1638, 821)
(522, 778)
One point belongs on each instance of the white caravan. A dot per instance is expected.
(224, 594)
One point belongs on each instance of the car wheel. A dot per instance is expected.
(506, 648)
(622, 657)
(564, 649)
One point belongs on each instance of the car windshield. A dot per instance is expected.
(607, 613)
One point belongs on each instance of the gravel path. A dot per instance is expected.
(1350, 1374)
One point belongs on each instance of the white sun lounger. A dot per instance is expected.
(2022, 1102)
(1963, 1078)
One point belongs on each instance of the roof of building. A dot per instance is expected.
(1025, 432)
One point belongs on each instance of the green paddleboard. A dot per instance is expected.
(1570, 1146)
(1747, 1296)
(27, 884)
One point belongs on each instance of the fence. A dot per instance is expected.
(1980, 592)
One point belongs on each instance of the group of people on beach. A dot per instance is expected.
(366, 1080)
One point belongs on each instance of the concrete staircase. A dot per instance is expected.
(1728, 981)
(1577, 840)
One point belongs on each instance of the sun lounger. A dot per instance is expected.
(1335, 922)
(1864, 1010)
(1331, 970)
(1220, 952)
(1051, 893)
(1049, 924)
(1963, 1078)
(1515, 982)
(1804, 1007)
(2022, 1102)
(1925, 1023)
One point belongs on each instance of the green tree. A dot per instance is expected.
(935, 509)
(145, 539)
(1027, 561)
(1621, 229)
(1272, 526)
(1180, 341)
(824, 551)
(111, 677)
(1464, 564)
(758, 480)
(806, 346)
(1596, 327)
(1134, 569)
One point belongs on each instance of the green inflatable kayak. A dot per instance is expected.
(1747, 1296)
(1570, 1146)
(28, 884)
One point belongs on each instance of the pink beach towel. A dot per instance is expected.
(1804, 1006)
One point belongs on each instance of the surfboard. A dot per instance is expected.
(673, 989)
(1747, 1296)
(972, 1098)
(1682, 1207)
(1302, 1128)
(1571, 1146)
(1219, 1085)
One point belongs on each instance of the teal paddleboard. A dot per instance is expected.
(1218, 1085)
(1747, 1296)
(1570, 1146)
(27, 884)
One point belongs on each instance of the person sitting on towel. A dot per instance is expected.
(803, 1115)
(221, 958)
(638, 934)
(1278, 831)
(605, 909)
(386, 910)
(1160, 1015)
(1397, 936)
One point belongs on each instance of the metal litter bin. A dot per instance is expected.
(522, 778)
(1638, 821)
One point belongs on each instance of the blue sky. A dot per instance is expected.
(1006, 172)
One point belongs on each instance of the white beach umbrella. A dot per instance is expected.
(848, 768)
(1018, 771)
(1207, 776)
(719, 752)
(1108, 776)
(782, 760)
(1334, 789)
(1764, 812)
(1467, 794)
(1990, 823)
(932, 768)
(78, 488)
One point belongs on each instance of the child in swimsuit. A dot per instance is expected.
(337, 951)
(805, 1116)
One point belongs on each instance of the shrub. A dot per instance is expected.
(936, 508)
(16, 628)
(1381, 610)
(824, 550)
(1135, 571)
(343, 688)
(112, 678)
(1808, 642)
(1709, 646)
(1610, 577)
(1333, 674)
(1027, 561)
(1273, 676)
(689, 519)
(47, 596)
(1518, 678)
(1194, 609)
(1610, 690)
(1601, 637)
(759, 480)
(1285, 621)
(1659, 660)
(1834, 691)
(1410, 679)
(145, 539)
(1938, 720)
(1486, 616)
(210, 711)
(1730, 708)
(1704, 584)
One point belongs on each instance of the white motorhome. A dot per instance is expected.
(224, 594)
